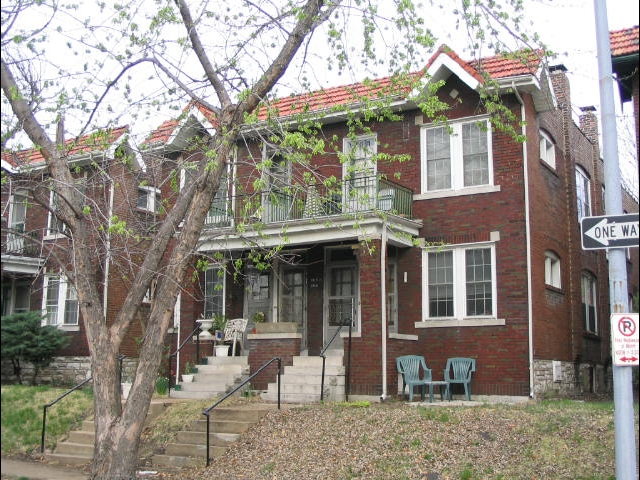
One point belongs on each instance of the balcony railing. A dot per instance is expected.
(22, 244)
(353, 196)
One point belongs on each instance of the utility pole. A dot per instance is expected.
(625, 439)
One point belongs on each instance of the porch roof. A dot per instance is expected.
(366, 226)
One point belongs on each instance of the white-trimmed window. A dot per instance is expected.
(460, 282)
(214, 285)
(60, 301)
(552, 269)
(17, 221)
(392, 296)
(149, 199)
(55, 226)
(547, 150)
(589, 295)
(359, 170)
(457, 156)
(583, 193)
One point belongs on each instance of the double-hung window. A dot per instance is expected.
(214, 291)
(552, 271)
(60, 301)
(583, 195)
(547, 150)
(55, 226)
(149, 199)
(461, 282)
(589, 312)
(457, 156)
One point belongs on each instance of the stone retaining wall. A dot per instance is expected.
(62, 371)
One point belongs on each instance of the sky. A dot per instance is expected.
(567, 27)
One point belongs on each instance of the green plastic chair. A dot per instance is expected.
(459, 370)
(409, 367)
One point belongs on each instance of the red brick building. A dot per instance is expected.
(427, 238)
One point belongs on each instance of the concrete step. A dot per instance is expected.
(332, 371)
(177, 461)
(215, 439)
(81, 449)
(193, 450)
(196, 395)
(236, 369)
(311, 378)
(310, 362)
(67, 459)
(225, 426)
(220, 377)
(81, 436)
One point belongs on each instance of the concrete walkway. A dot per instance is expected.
(33, 470)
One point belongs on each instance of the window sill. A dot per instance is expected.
(461, 322)
(403, 336)
(69, 328)
(457, 193)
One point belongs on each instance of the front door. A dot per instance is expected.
(341, 301)
(292, 304)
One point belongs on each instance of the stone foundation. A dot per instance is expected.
(68, 371)
(565, 379)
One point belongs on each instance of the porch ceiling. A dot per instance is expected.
(400, 232)
(18, 264)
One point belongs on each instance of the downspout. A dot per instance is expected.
(107, 260)
(528, 235)
(383, 303)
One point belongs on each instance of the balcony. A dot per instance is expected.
(294, 203)
(22, 244)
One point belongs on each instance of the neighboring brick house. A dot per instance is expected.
(35, 245)
(624, 60)
(469, 247)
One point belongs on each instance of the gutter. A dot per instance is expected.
(528, 235)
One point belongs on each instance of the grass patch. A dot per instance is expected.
(22, 408)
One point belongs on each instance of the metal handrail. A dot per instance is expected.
(207, 411)
(52, 403)
(324, 359)
(196, 331)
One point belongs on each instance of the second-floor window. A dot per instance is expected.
(149, 199)
(456, 156)
(552, 269)
(55, 226)
(461, 282)
(547, 150)
(60, 301)
(583, 193)
(17, 221)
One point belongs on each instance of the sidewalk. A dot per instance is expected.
(33, 470)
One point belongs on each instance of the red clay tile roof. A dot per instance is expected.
(99, 141)
(624, 42)
(324, 100)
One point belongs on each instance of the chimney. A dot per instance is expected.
(560, 84)
(589, 123)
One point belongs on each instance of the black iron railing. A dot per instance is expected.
(323, 354)
(196, 331)
(68, 392)
(207, 412)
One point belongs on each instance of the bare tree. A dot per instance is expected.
(143, 63)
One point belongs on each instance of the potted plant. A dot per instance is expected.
(189, 371)
(162, 385)
(259, 317)
(219, 324)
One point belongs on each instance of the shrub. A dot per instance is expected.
(25, 339)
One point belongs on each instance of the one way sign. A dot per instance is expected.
(616, 231)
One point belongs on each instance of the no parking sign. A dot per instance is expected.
(624, 339)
